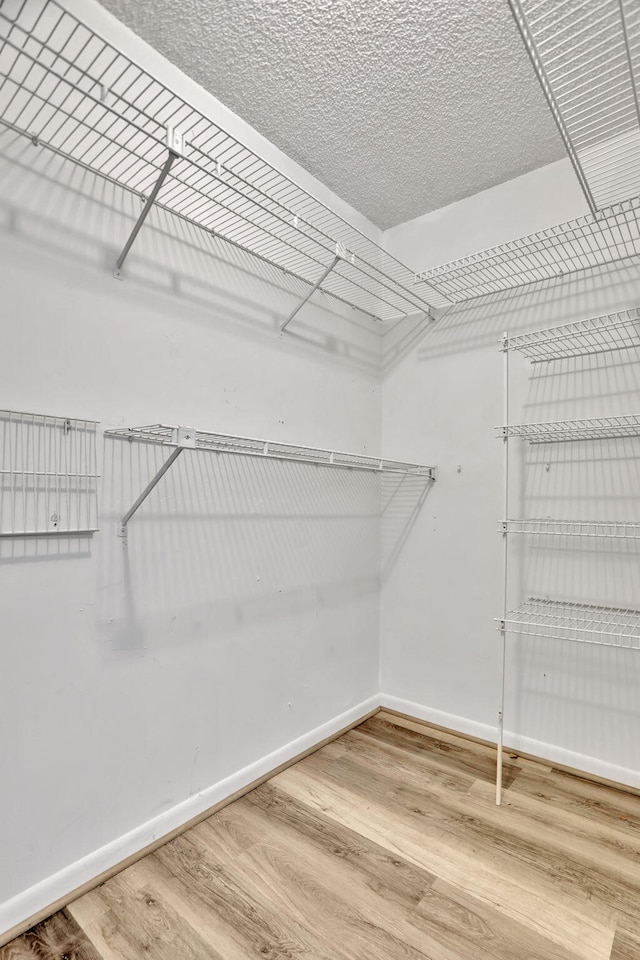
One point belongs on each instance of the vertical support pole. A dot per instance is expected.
(145, 210)
(503, 631)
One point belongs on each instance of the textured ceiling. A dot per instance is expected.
(400, 107)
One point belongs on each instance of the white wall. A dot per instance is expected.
(442, 397)
(240, 624)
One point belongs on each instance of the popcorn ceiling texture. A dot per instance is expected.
(400, 107)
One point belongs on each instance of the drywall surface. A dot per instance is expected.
(241, 618)
(442, 398)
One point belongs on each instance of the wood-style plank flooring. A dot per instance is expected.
(383, 844)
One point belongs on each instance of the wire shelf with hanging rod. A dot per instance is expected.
(184, 438)
(48, 475)
(586, 55)
(72, 92)
(582, 622)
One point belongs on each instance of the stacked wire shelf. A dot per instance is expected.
(549, 617)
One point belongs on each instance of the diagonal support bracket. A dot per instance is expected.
(184, 437)
(341, 254)
(117, 270)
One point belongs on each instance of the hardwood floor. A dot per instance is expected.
(383, 844)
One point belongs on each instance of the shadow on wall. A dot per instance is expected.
(402, 501)
(227, 541)
(481, 322)
(86, 219)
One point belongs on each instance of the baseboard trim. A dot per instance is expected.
(52, 894)
(578, 764)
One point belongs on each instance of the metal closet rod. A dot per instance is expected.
(182, 438)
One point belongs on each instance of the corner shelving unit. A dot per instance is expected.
(556, 618)
(71, 92)
(185, 438)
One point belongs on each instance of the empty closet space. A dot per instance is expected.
(319, 471)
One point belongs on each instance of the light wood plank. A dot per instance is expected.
(536, 902)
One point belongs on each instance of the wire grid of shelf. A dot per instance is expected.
(581, 244)
(616, 529)
(71, 91)
(48, 475)
(558, 431)
(247, 446)
(583, 622)
(586, 55)
(615, 331)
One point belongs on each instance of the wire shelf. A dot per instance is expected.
(596, 428)
(72, 92)
(583, 622)
(48, 475)
(616, 529)
(587, 58)
(615, 331)
(246, 446)
(581, 244)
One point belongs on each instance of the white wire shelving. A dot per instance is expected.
(548, 527)
(561, 431)
(614, 331)
(612, 235)
(586, 55)
(48, 475)
(582, 622)
(558, 619)
(181, 438)
(72, 92)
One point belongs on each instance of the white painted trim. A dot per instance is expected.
(514, 741)
(37, 898)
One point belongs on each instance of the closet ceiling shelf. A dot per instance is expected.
(615, 331)
(69, 90)
(617, 529)
(582, 622)
(559, 431)
(187, 437)
(587, 242)
(586, 55)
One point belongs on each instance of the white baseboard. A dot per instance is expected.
(48, 892)
(517, 742)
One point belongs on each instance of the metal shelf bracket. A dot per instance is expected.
(171, 156)
(185, 437)
(341, 254)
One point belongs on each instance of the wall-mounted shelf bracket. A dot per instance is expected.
(341, 254)
(172, 135)
(184, 437)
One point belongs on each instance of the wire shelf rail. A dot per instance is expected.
(181, 438)
(587, 242)
(582, 622)
(616, 529)
(615, 331)
(586, 55)
(247, 446)
(558, 431)
(48, 475)
(72, 92)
